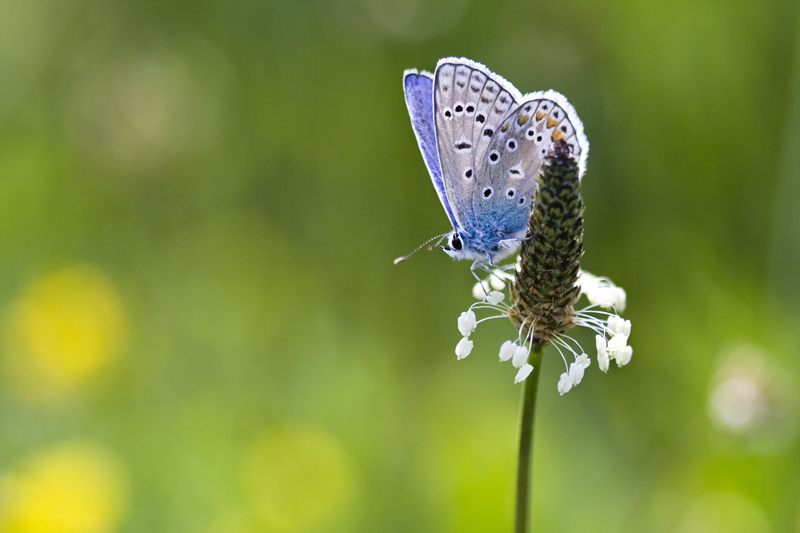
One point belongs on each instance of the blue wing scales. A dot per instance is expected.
(418, 89)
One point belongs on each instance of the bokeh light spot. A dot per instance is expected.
(139, 111)
(72, 488)
(724, 512)
(296, 478)
(64, 328)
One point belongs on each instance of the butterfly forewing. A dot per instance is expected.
(469, 103)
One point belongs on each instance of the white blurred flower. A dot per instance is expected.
(479, 290)
(496, 279)
(752, 396)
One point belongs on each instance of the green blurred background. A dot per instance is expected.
(202, 329)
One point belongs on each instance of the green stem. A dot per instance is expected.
(525, 460)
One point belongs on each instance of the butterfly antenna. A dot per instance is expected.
(418, 248)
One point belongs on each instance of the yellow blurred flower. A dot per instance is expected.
(296, 478)
(64, 328)
(71, 488)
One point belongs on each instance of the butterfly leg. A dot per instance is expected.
(493, 271)
(484, 284)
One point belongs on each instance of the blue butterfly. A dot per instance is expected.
(484, 143)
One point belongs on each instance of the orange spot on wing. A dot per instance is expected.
(551, 122)
(522, 119)
(557, 135)
(539, 115)
(505, 127)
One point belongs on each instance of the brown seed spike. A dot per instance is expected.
(544, 289)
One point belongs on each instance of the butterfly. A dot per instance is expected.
(484, 143)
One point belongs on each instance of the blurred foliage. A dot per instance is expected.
(202, 329)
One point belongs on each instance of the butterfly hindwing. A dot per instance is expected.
(508, 175)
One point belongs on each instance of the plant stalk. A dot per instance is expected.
(525, 458)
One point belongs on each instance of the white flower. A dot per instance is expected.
(495, 297)
(608, 297)
(463, 348)
(618, 326)
(617, 343)
(520, 356)
(601, 291)
(467, 323)
(587, 282)
(496, 279)
(507, 350)
(575, 373)
(602, 354)
(564, 384)
(523, 373)
(623, 356)
(479, 290)
(611, 330)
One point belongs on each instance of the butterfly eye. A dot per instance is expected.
(455, 242)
